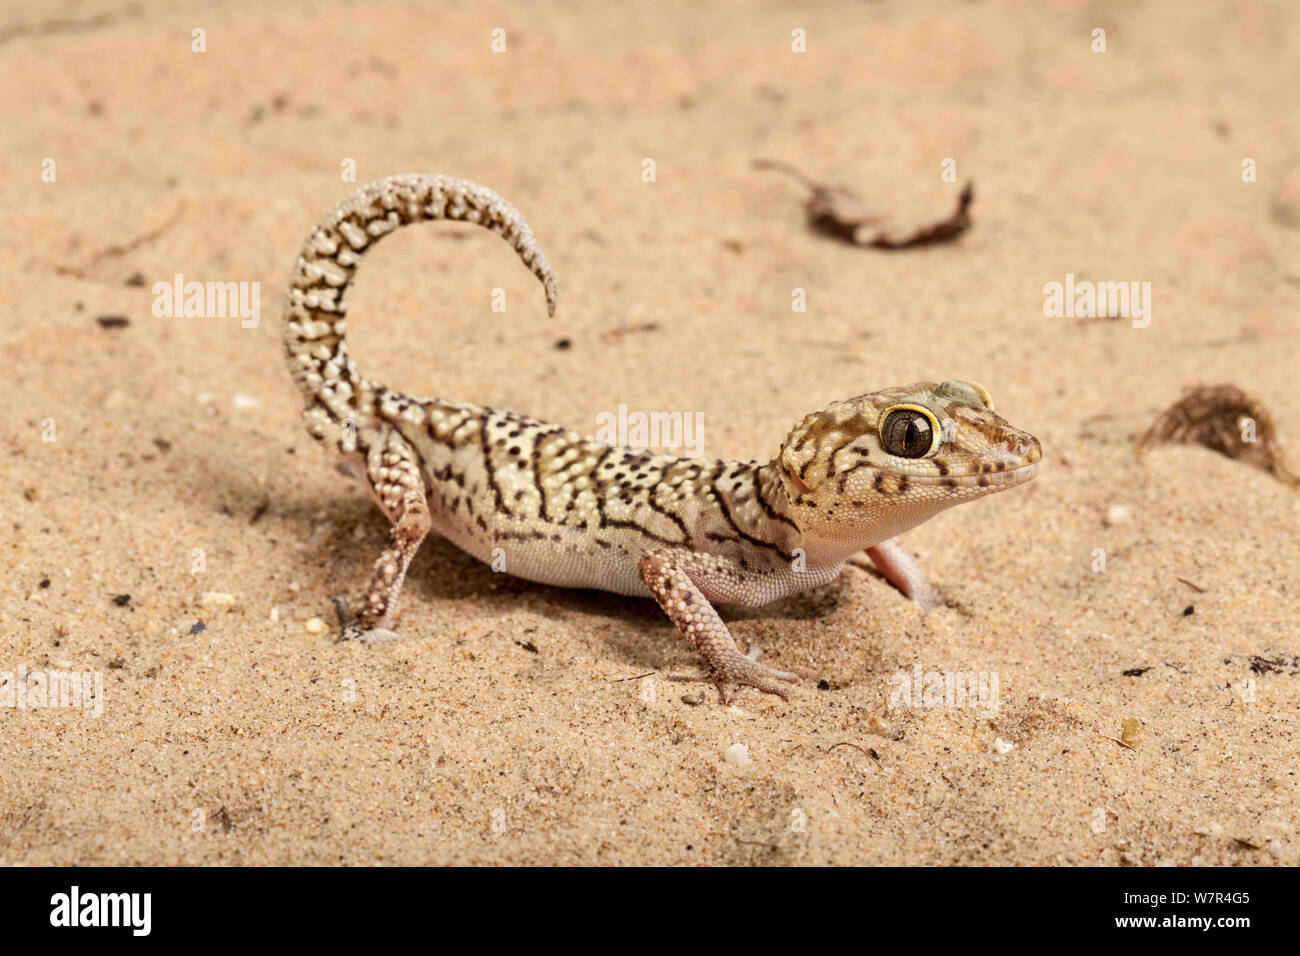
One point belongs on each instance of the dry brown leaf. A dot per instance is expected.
(839, 211)
(1227, 420)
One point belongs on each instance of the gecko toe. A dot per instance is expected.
(374, 635)
(344, 612)
(742, 670)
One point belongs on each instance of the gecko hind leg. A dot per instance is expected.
(668, 576)
(393, 474)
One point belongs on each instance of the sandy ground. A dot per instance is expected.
(516, 725)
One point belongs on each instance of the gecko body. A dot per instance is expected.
(566, 510)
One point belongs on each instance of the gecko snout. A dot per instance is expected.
(1025, 447)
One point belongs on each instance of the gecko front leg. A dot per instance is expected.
(393, 475)
(684, 583)
(901, 570)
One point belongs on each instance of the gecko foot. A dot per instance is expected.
(376, 635)
(736, 669)
(350, 630)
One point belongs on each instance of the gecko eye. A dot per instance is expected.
(909, 432)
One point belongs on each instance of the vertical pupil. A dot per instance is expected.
(914, 435)
(908, 434)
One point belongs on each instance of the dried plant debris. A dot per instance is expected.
(1224, 419)
(123, 248)
(1130, 735)
(837, 210)
(1278, 664)
(832, 208)
(619, 331)
(1271, 662)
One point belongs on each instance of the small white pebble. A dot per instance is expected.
(1002, 746)
(1117, 514)
(737, 755)
(275, 614)
(314, 626)
(245, 401)
(217, 599)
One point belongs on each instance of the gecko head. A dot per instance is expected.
(876, 465)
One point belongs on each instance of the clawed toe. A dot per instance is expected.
(744, 671)
(346, 618)
(351, 630)
(375, 635)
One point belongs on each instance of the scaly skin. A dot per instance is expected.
(571, 511)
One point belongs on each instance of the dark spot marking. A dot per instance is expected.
(489, 469)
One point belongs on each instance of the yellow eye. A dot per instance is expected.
(909, 431)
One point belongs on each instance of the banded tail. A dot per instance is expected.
(315, 325)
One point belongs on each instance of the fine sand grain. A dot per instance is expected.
(180, 535)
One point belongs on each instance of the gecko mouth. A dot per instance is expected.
(1000, 479)
(981, 481)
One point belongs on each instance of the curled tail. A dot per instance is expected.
(315, 323)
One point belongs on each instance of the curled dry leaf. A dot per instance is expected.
(1227, 420)
(838, 210)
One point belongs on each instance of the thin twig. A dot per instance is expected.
(794, 173)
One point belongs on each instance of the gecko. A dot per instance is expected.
(562, 509)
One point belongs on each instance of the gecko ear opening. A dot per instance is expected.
(790, 462)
